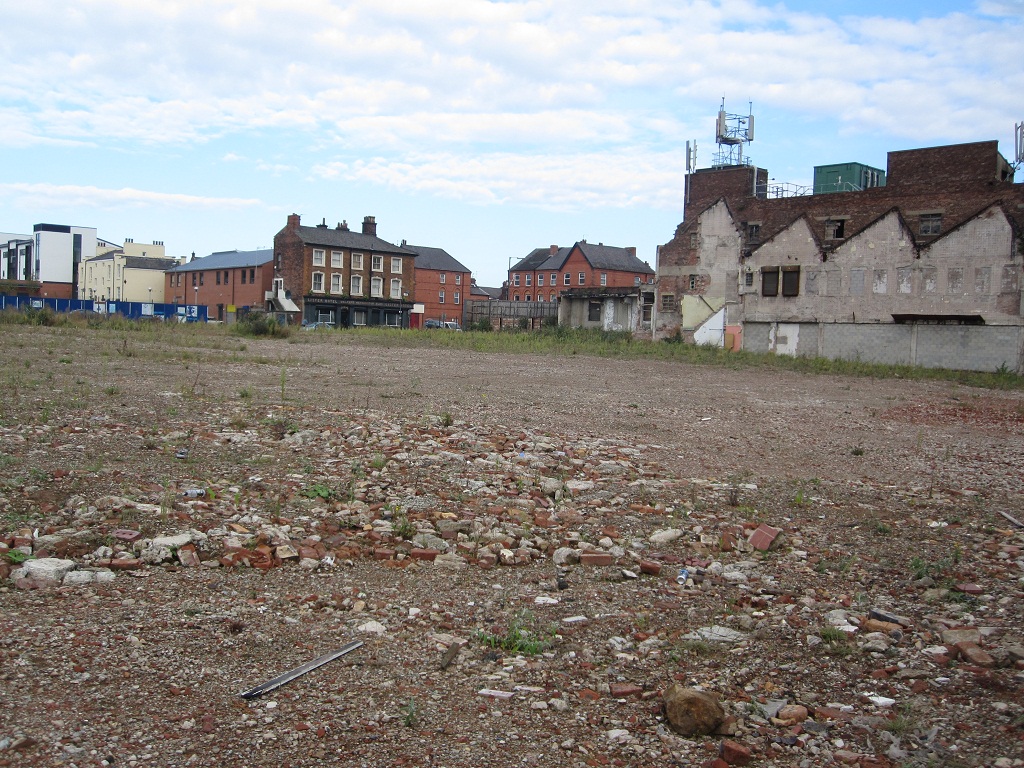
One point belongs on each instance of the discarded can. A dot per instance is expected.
(684, 574)
(194, 493)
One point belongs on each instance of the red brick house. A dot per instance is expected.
(443, 285)
(344, 278)
(224, 282)
(546, 273)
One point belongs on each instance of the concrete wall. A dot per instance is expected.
(957, 347)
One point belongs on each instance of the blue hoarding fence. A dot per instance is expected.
(133, 310)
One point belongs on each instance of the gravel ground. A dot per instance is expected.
(503, 534)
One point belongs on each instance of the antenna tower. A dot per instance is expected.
(731, 133)
(1018, 145)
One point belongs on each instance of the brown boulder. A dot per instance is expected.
(691, 712)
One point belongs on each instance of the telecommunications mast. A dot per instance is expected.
(731, 133)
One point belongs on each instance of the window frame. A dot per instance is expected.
(567, 278)
(355, 285)
(396, 265)
(540, 279)
(376, 262)
(668, 302)
(583, 278)
(336, 282)
(442, 278)
(440, 297)
(790, 282)
(930, 224)
(377, 287)
(337, 259)
(356, 262)
(770, 281)
(319, 257)
(396, 294)
(455, 297)
(313, 288)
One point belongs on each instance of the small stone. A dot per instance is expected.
(372, 627)
(735, 753)
(666, 536)
(793, 712)
(974, 654)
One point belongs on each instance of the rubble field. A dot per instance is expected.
(548, 560)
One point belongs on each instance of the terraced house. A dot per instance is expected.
(344, 278)
(919, 263)
(547, 272)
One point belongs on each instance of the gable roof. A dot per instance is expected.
(345, 238)
(227, 260)
(149, 262)
(603, 256)
(538, 257)
(435, 258)
(480, 290)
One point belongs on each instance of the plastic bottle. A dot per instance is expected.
(194, 493)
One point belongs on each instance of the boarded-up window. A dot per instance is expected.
(880, 282)
(904, 280)
(668, 302)
(791, 281)
(856, 282)
(930, 276)
(835, 282)
(982, 281)
(1008, 284)
(594, 311)
(770, 281)
(811, 283)
(956, 280)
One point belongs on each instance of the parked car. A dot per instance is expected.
(432, 324)
(451, 325)
(447, 325)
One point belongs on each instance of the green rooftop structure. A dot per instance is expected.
(846, 177)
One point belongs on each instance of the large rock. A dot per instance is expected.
(46, 570)
(691, 712)
(666, 536)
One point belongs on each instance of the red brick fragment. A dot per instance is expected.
(621, 690)
(650, 567)
(735, 753)
(424, 554)
(596, 558)
(764, 537)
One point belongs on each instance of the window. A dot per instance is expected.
(318, 257)
(636, 280)
(753, 232)
(455, 297)
(201, 276)
(668, 302)
(904, 280)
(218, 277)
(835, 229)
(529, 279)
(392, 319)
(516, 297)
(554, 278)
(956, 280)
(396, 288)
(377, 287)
(583, 278)
(194, 277)
(458, 279)
(336, 282)
(243, 277)
(693, 282)
(881, 281)
(770, 281)
(594, 311)
(930, 275)
(515, 279)
(377, 263)
(982, 280)
(318, 282)
(604, 278)
(857, 282)
(336, 259)
(357, 261)
(442, 278)
(356, 285)
(567, 279)
(359, 317)
(252, 275)
(931, 223)
(748, 279)
(540, 280)
(526, 298)
(540, 297)
(552, 296)
(440, 297)
(791, 281)
(396, 265)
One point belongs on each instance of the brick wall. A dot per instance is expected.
(429, 287)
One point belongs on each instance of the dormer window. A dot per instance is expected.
(931, 223)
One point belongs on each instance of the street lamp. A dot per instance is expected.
(150, 294)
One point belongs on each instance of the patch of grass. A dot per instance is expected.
(881, 528)
(446, 420)
(835, 642)
(857, 451)
(902, 722)
(245, 393)
(521, 637)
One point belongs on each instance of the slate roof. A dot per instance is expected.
(227, 260)
(345, 238)
(435, 258)
(599, 256)
(149, 262)
(480, 290)
(538, 257)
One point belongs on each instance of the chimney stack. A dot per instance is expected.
(631, 250)
(293, 221)
(553, 249)
(369, 226)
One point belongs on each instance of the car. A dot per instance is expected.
(432, 324)
(451, 325)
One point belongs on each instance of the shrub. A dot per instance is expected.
(261, 324)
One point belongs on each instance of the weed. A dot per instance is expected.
(112, 390)
(695, 648)
(403, 527)
(410, 714)
(245, 393)
(902, 722)
(521, 637)
(16, 556)
(379, 461)
(882, 528)
(284, 377)
(857, 451)
(832, 635)
(446, 420)
(318, 492)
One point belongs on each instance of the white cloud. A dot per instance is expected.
(554, 182)
(70, 195)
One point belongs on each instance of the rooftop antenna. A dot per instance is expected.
(1018, 145)
(691, 166)
(731, 133)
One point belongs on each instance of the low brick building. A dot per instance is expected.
(443, 284)
(940, 242)
(546, 272)
(345, 278)
(225, 282)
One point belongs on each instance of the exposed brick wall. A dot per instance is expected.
(428, 288)
(290, 260)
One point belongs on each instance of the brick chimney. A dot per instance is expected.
(631, 250)
(369, 226)
(553, 249)
(293, 221)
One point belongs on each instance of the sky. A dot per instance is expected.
(486, 128)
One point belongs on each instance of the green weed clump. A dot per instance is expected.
(521, 637)
(260, 324)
